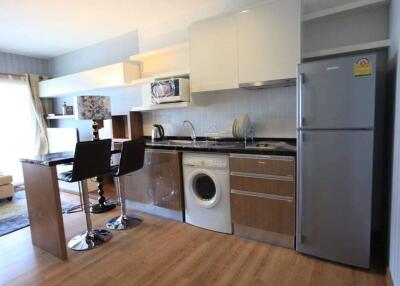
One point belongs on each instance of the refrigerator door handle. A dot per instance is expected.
(300, 119)
(299, 189)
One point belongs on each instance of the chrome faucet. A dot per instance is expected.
(193, 136)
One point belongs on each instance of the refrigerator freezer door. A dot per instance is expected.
(334, 195)
(337, 93)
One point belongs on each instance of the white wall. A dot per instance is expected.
(11, 63)
(104, 53)
(108, 52)
(394, 247)
(272, 111)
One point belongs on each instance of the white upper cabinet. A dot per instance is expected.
(268, 41)
(249, 48)
(213, 55)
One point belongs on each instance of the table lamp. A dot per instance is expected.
(97, 109)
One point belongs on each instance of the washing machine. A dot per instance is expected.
(206, 189)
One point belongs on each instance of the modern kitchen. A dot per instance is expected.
(221, 143)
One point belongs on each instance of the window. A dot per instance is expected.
(17, 126)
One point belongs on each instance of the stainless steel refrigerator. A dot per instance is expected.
(335, 128)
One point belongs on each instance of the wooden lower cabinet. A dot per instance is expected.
(263, 204)
(157, 187)
(269, 214)
(267, 165)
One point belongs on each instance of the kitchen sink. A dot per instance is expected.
(181, 142)
(271, 145)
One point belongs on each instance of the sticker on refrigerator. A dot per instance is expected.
(362, 67)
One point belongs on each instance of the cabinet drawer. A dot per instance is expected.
(265, 185)
(262, 212)
(266, 165)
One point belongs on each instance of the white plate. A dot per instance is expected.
(233, 128)
(240, 126)
(236, 128)
(243, 125)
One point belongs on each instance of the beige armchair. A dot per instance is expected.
(6, 187)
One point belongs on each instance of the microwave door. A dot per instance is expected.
(164, 91)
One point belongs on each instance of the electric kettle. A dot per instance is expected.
(157, 133)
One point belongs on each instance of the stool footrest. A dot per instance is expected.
(123, 222)
(86, 241)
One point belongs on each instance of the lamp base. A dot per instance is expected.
(102, 206)
(95, 130)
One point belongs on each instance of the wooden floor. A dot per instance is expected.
(163, 252)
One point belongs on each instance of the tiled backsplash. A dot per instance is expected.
(272, 112)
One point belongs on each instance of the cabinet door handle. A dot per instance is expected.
(263, 176)
(262, 195)
(300, 118)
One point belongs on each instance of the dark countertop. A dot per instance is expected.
(51, 159)
(54, 159)
(279, 146)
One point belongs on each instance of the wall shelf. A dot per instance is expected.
(160, 52)
(141, 81)
(105, 90)
(183, 73)
(162, 106)
(347, 49)
(106, 77)
(55, 117)
(339, 10)
(165, 62)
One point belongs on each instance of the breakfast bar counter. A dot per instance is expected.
(44, 203)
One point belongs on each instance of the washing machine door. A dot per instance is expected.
(204, 188)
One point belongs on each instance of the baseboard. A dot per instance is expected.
(154, 210)
(68, 191)
(389, 279)
(264, 236)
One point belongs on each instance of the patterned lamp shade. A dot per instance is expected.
(92, 107)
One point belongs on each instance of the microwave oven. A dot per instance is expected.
(170, 90)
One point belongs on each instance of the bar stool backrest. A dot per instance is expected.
(132, 156)
(91, 159)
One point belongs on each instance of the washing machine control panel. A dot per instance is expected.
(207, 161)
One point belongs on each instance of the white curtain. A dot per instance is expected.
(17, 125)
(41, 139)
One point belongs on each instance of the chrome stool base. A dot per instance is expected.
(85, 241)
(123, 222)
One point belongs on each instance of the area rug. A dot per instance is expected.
(14, 214)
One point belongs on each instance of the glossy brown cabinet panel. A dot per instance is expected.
(273, 215)
(263, 185)
(159, 182)
(281, 166)
(263, 198)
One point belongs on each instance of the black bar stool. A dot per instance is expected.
(132, 159)
(91, 159)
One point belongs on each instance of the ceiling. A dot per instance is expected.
(48, 28)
